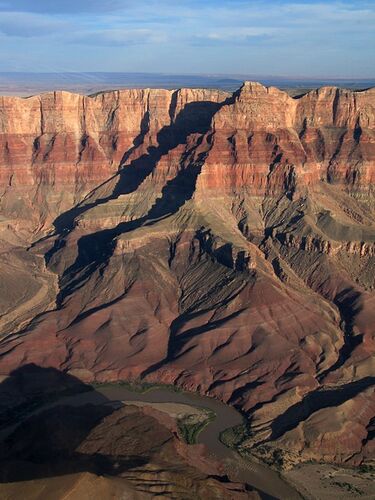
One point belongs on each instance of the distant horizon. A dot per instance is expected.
(237, 76)
(25, 84)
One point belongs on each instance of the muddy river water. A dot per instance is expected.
(267, 481)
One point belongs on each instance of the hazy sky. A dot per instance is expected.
(271, 37)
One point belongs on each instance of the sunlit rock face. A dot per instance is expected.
(223, 243)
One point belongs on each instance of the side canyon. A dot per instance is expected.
(223, 243)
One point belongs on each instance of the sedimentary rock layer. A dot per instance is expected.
(224, 243)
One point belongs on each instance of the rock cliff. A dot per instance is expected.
(223, 243)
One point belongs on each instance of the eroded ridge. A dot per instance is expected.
(223, 243)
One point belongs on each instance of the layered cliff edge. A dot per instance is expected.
(223, 243)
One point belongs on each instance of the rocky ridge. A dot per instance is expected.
(223, 243)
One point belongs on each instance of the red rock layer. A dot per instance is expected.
(221, 243)
(56, 147)
(268, 142)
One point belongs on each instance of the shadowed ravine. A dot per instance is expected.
(95, 249)
(130, 176)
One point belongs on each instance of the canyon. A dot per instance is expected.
(223, 243)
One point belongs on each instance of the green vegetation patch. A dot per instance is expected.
(233, 437)
(236, 437)
(366, 468)
(348, 487)
(190, 426)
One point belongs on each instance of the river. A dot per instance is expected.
(267, 481)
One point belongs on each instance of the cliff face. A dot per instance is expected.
(274, 142)
(223, 243)
(57, 147)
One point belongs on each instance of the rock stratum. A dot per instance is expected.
(224, 243)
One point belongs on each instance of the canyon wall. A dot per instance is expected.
(223, 243)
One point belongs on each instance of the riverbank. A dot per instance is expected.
(309, 481)
(205, 420)
(261, 477)
(330, 482)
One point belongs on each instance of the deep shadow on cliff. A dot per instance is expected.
(97, 248)
(195, 118)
